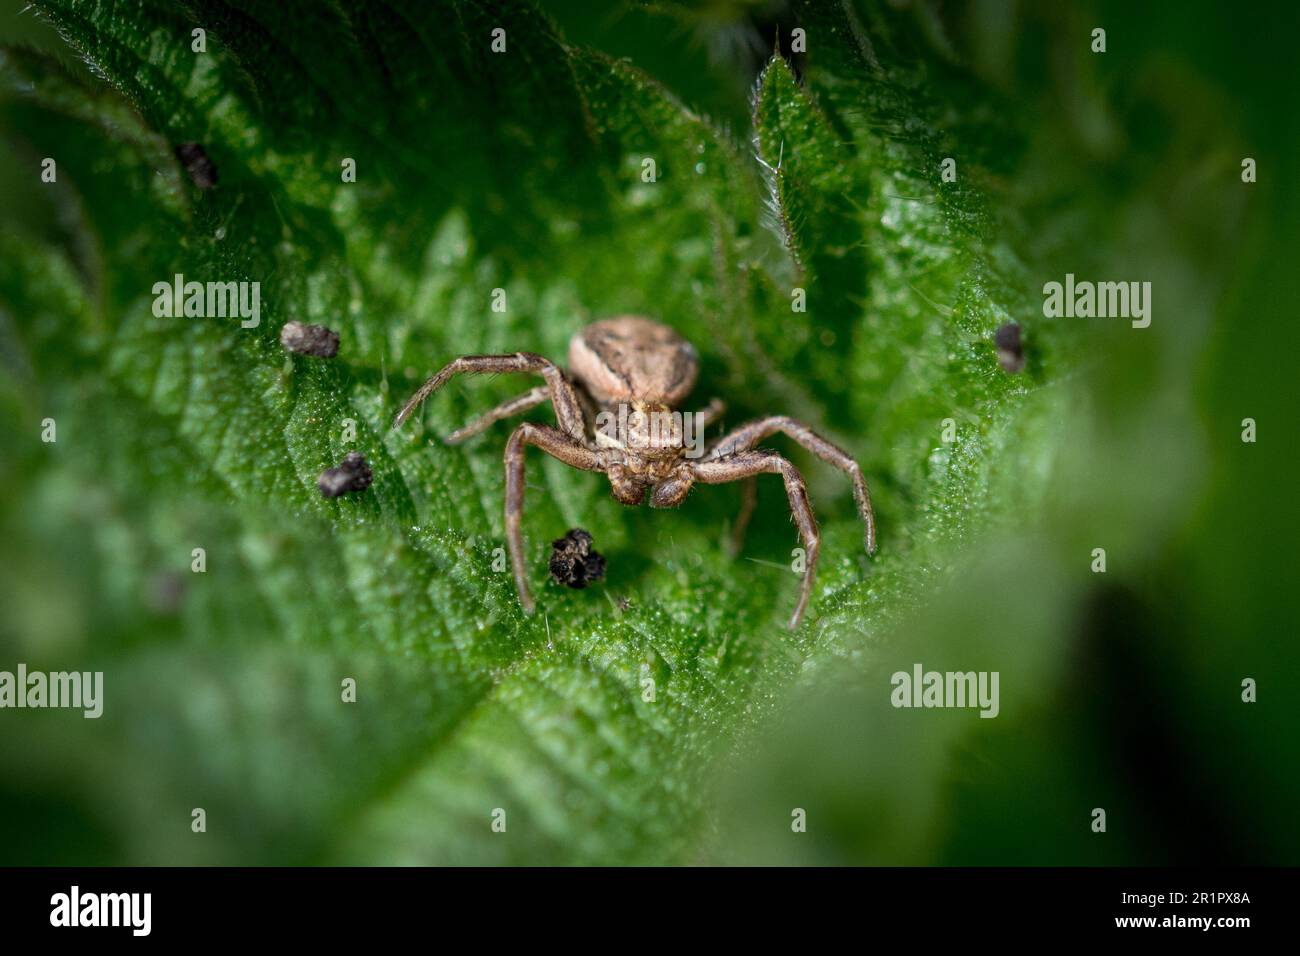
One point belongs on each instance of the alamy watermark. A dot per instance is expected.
(75, 908)
(72, 689)
(1102, 300)
(922, 688)
(209, 300)
(645, 428)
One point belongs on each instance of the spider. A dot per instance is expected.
(630, 373)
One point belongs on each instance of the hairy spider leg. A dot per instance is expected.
(747, 436)
(564, 398)
(556, 444)
(513, 406)
(752, 463)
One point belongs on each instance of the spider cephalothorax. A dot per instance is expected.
(616, 411)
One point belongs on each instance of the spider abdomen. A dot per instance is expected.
(629, 357)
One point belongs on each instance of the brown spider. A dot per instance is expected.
(630, 373)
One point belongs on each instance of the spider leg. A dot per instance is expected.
(710, 413)
(752, 463)
(747, 436)
(748, 501)
(559, 446)
(568, 411)
(513, 406)
(694, 425)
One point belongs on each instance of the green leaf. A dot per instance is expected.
(479, 171)
(188, 434)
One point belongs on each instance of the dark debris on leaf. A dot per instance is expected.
(352, 474)
(573, 563)
(196, 162)
(306, 339)
(1011, 353)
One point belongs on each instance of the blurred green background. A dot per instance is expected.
(523, 171)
